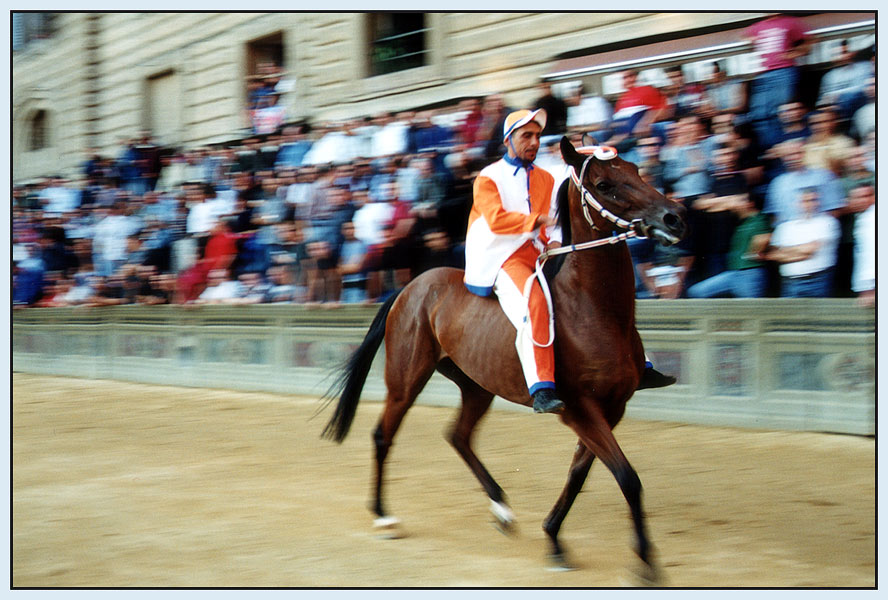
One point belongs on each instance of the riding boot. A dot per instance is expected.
(545, 401)
(652, 378)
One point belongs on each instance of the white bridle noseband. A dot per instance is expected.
(587, 200)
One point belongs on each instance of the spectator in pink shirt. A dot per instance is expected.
(780, 40)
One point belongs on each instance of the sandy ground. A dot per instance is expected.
(128, 485)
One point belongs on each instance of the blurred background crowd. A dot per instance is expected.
(780, 192)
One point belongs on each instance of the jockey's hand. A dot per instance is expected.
(544, 220)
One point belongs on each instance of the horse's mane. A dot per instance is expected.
(562, 212)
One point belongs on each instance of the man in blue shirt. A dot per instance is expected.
(293, 149)
(686, 164)
(784, 192)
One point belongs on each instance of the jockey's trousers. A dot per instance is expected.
(537, 361)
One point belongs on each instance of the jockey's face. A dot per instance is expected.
(525, 142)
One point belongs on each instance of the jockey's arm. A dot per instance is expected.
(487, 200)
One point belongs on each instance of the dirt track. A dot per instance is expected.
(132, 485)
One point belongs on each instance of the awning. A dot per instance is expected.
(698, 46)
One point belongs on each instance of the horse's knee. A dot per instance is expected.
(457, 439)
(552, 525)
(378, 435)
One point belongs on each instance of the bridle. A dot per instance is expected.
(634, 229)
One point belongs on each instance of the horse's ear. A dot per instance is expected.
(589, 140)
(570, 154)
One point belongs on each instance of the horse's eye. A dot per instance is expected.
(603, 186)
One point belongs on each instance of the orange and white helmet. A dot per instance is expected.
(520, 118)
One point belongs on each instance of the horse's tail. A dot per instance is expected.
(353, 375)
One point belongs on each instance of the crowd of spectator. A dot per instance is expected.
(347, 212)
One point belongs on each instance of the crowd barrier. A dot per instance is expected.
(788, 364)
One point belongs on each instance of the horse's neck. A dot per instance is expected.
(602, 276)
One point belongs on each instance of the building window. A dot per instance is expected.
(39, 138)
(397, 42)
(163, 108)
(265, 63)
(30, 26)
(266, 82)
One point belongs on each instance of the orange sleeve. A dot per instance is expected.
(487, 202)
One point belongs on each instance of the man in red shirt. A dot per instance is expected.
(636, 109)
(220, 252)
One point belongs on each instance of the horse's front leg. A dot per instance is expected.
(596, 434)
(579, 470)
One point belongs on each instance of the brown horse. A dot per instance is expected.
(435, 323)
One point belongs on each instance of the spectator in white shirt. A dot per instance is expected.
(806, 249)
(221, 289)
(587, 113)
(863, 277)
(110, 240)
(203, 212)
(58, 198)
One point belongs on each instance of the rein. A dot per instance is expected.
(587, 200)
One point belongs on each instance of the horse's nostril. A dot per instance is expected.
(674, 224)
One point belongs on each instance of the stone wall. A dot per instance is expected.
(806, 364)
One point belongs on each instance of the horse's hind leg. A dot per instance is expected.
(396, 407)
(408, 367)
(579, 470)
(475, 402)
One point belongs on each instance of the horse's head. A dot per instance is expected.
(614, 197)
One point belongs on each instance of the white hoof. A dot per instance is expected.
(504, 516)
(560, 568)
(387, 527)
(558, 563)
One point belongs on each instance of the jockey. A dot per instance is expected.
(511, 223)
(513, 220)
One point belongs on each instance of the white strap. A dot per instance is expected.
(528, 287)
(538, 275)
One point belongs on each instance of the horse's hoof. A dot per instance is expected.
(505, 518)
(388, 528)
(507, 528)
(644, 575)
(558, 563)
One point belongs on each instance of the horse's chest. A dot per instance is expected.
(603, 358)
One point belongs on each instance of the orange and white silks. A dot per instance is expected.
(501, 250)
